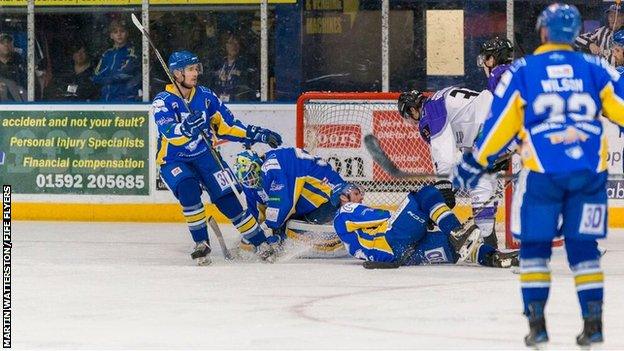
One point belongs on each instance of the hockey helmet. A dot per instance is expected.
(562, 21)
(618, 38)
(248, 164)
(343, 189)
(410, 99)
(181, 59)
(501, 49)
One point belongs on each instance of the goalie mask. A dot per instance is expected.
(407, 101)
(248, 165)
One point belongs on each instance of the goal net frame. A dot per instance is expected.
(307, 100)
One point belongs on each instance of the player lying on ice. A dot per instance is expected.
(289, 183)
(389, 240)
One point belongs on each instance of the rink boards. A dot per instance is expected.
(96, 162)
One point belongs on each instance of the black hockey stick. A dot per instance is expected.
(379, 155)
(213, 224)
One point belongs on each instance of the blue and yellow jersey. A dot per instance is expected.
(552, 101)
(169, 110)
(362, 230)
(295, 183)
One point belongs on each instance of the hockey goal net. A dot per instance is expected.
(333, 125)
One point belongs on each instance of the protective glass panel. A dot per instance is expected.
(226, 40)
(13, 55)
(87, 54)
(341, 46)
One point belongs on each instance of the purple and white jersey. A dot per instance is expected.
(495, 76)
(451, 121)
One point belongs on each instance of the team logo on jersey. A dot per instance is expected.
(276, 186)
(560, 71)
(271, 214)
(176, 171)
(270, 164)
(568, 136)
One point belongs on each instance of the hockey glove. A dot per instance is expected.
(502, 163)
(467, 173)
(193, 124)
(263, 135)
(446, 189)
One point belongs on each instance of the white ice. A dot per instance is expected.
(134, 286)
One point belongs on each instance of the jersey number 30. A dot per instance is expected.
(579, 106)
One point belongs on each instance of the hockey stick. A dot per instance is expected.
(214, 153)
(217, 232)
(381, 157)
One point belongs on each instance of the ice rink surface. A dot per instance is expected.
(134, 286)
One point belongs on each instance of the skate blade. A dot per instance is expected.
(380, 265)
(203, 261)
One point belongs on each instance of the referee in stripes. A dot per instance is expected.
(598, 41)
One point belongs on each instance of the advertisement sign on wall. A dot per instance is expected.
(75, 152)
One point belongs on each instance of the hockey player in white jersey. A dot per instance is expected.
(450, 121)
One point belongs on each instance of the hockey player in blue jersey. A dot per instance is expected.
(287, 183)
(389, 240)
(552, 101)
(617, 50)
(186, 162)
(495, 57)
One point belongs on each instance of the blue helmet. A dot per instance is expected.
(562, 21)
(618, 38)
(342, 189)
(180, 59)
(248, 164)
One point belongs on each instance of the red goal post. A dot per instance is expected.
(332, 125)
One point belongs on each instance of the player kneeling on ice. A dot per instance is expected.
(288, 183)
(386, 240)
(187, 164)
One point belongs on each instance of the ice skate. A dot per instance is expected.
(200, 253)
(504, 259)
(266, 252)
(592, 332)
(537, 325)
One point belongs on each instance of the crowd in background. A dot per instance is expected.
(96, 57)
(73, 66)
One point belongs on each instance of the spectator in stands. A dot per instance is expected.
(598, 41)
(74, 82)
(12, 71)
(235, 79)
(119, 70)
